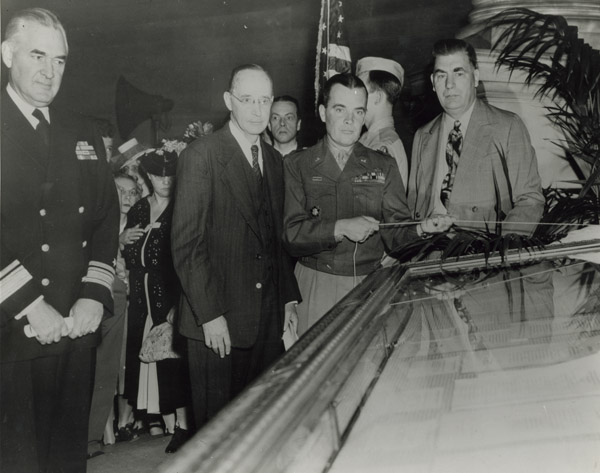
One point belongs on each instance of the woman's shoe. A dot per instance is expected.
(125, 434)
(179, 438)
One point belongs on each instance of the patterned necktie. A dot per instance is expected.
(255, 166)
(43, 127)
(453, 149)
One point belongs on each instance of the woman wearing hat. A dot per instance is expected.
(161, 387)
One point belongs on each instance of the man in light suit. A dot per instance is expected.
(474, 161)
(60, 224)
(239, 290)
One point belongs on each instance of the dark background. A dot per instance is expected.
(185, 49)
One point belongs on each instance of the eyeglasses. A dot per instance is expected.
(247, 101)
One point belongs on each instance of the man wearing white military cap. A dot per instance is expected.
(384, 79)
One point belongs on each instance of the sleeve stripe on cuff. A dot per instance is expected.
(13, 278)
(100, 273)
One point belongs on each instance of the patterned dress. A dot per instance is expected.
(154, 291)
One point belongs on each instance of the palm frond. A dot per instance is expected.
(463, 242)
(565, 209)
(564, 68)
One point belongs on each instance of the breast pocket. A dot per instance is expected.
(321, 200)
(368, 198)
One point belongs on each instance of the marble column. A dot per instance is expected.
(509, 92)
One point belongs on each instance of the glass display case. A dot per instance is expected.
(466, 365)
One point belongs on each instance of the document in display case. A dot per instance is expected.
(456, 366)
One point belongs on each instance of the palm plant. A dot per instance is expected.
(550, 51)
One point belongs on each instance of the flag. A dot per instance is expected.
(333, 52)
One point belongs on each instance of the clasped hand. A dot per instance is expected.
(50, 326)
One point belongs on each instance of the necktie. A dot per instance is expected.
(255, 166)
(342, 159)
(43, 127)
(453, 149)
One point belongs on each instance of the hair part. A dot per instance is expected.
(348, 80)
(245, 67)
(445, 47)
(386, 82)
(40, 16)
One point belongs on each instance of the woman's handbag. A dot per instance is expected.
(158, 344)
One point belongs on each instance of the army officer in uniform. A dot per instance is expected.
(336, 194)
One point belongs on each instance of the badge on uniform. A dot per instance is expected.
(376, 175)
(315, 211)
(85, 151)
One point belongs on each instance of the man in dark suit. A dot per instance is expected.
(474, 161)
(60, 222)
(238, 285)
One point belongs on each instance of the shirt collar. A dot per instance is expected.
(464, 119)
(245, 145)
(336, 151)
(26, 108)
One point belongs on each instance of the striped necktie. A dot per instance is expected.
(453, 149)
(255, 165)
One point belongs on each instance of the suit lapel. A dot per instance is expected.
(17, 130)
(426, 168)
(234, 178)
(324, 164)
(357, 164)
(475, 145)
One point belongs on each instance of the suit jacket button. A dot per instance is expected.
(83, 244)
(258, 285)
(474, 209)
(45, 248)
(81, 209)
(43, 212)
(45, 282)
(418, 215)
(258, 256)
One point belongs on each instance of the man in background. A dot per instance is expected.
(383, 79)
(473, 161)
(239, 291)
(60, 225)
(284, 124)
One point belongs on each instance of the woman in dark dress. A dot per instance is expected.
(160, 387)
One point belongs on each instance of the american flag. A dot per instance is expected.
(333, 52)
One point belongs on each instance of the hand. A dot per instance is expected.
(171, 315)
(356, 229)
(47, 323)
(87, 315)
(216, 336)
(130, 235)
(437, 224)
(290, 321)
